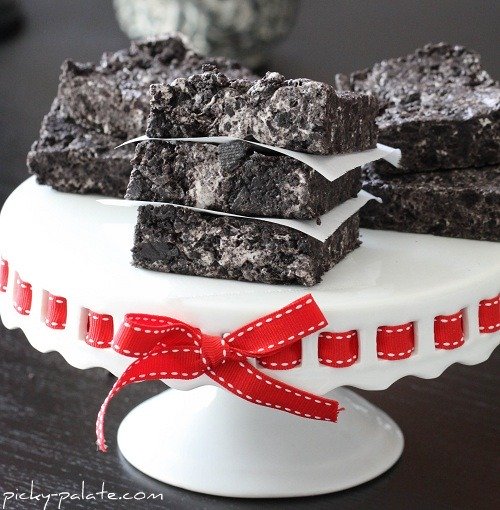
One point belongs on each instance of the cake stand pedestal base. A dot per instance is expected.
(207, 440)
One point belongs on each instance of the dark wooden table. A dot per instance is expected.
(47, 408)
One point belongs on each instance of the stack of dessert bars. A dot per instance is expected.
(442, 109)
(243, 180)
(163, 87)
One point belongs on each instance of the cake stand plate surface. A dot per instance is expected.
(210, 441)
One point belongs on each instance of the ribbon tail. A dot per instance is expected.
(245, 381)
(182, 363)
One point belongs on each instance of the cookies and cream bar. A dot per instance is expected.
(237, 178)
(179, 240)
(301, 115)
(460, 203)
(112, 97)
(73, 159)
(438, 105)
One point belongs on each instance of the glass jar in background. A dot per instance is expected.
(241, 29)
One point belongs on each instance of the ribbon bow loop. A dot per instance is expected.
(140, 334)
(281, 328)
(167, 348)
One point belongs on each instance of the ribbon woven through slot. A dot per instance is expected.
(4, 275)
(166, 348)
(449, 331)
(57, 310)
(285, 359)
(338, 350)
(22, 296)
(100, 330)
(395, 342)
(489, 315)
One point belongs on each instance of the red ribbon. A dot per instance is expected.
(170, 349)
(4, 275)
(489, 315)
(99, 330)
(338, 349)
(23, 295)
(449, 331)
(56, 312)
(395, 342)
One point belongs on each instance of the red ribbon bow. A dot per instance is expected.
(169, 349)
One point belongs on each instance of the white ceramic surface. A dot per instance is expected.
(83, 253)
(74, 247)
(210, 441)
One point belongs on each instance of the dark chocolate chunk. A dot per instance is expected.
(177, 240)
(72, 159)
(462, 203)
(233, 154)
(302, 115)
(235, 178)
(437, 105)
(112, 96)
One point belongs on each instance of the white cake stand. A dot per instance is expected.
(207, 440)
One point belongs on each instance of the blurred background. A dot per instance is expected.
(299, 38)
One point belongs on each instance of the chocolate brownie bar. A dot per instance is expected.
(178, 240)
(301, 115)
(112, 96)
(235, 178)
(455, 203)
(72, 159)
(437, 105)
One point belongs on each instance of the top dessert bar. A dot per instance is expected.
(301, 115)
(112, 96)
(437, 105)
